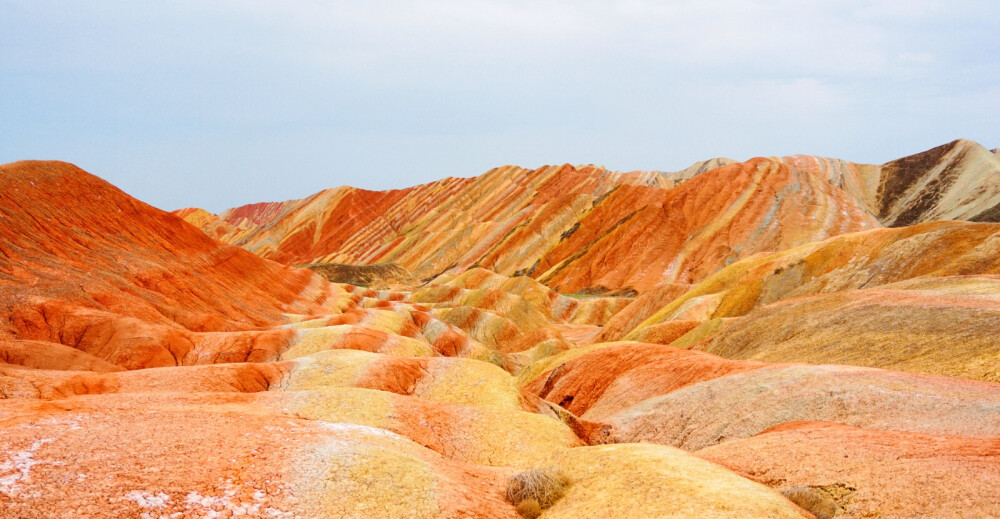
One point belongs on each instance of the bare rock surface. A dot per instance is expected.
(780, 337)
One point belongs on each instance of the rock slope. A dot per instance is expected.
(574, 229)
(739, 339)
(917, 298)
(867, 473)
(147, 370)
(957, 181)
(569, 226)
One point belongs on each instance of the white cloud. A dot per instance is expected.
(631, 84)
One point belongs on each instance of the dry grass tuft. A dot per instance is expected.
(532, 491)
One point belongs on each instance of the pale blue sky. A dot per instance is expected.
(225, 102)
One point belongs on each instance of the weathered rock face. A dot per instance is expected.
(85, 265)
(741, 405)
(657, 481)
(147, 456)
(570, 227)
(689, 399)
(425, 229)
(574, 229)
(611, 377)
(50, 355)
(71, 237)
(147, 370)
(684, 234)
(676, 178)
(640, 309)
(957, 181)
(772, 327)
(918, 298)
(942, 326)
(867, 473)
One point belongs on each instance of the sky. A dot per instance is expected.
(217, 104)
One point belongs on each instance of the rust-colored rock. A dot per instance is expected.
(613, 378)
(217, 456)
(740, 405)
(148, 369)
(641, 309)
(916, 298)
(50, 355)
(955, 181)
(868, 473)
(574, 229)
(87, 266)
(943, 326)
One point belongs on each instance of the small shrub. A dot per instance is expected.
(532, 491)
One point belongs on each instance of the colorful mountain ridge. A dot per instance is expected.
(781, 337)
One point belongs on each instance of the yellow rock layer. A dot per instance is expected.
(642, 480)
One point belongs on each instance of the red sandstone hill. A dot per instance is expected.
(70, 235)
(85, 265)
(587, 229)
(320, 400)
(574, 229)
(147, 369)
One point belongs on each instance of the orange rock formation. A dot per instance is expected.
(694, 344)
(574, 229)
